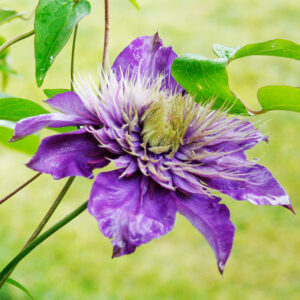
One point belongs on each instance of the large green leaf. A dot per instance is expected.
(54, 23)
(19, 286)
(206, 79)
(7, 15)
(277, 47)
(27, 145)
(15, 109)
(279, 98)
(52, 92)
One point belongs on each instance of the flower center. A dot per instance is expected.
(166, 122)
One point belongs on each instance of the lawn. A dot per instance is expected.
(76, 263)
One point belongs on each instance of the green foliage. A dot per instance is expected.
(7, 15)
(52, 92)
(279, 98)
(5, 68)
(134, 2)
(54, 23)
(5, 52)
(15, 109)
(257, 269)
(19, 286)
(27, 145)
(277, 47)
(206, 79)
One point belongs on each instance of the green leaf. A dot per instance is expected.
(206, 79)
(19, 286)
(7, 15)
(135, 4)
(5, 52)
(224, 51)
(28, 145)
(277, 47)
(54, 23)
(15, 109)
(279, 98)
(52, 92)
(7, 69)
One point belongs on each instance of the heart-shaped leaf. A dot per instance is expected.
(206, 79)
(54, 23)
(279, 98)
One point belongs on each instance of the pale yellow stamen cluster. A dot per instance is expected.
(166, 122)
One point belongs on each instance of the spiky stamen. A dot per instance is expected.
(166, 121)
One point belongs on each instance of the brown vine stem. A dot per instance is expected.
(44, 221)
(106, 36)
(16, 39)
(20, 188)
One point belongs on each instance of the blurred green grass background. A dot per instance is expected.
(75, 263)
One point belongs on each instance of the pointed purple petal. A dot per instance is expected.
(147, 55)
(71, 104)
(131, 210)
(258, 186)
(31, 125)
(74, 153)
(212, 220)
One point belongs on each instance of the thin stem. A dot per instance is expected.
(73, 57)
(41, 238)
(16, 39)
(20, 188)
(106, 36)
(44, 221)
(51, 210)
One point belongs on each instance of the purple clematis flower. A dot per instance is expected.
(168, 150)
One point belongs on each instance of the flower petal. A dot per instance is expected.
(70, 154)
(257, 186)
(132, 210)
(212, 220)
(31, 125)
(71, 104)
(147, 55)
